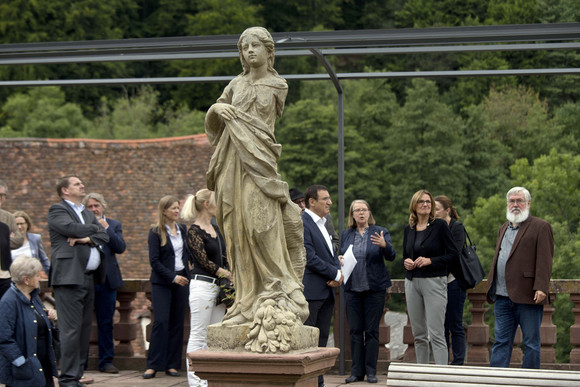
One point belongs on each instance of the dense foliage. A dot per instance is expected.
(469, 138)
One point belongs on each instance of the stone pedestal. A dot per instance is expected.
(220, 337)
(235, 368)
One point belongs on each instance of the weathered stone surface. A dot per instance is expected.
(221, 337)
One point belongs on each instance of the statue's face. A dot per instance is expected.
(254, 52)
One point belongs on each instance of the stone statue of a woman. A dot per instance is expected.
(262, 227)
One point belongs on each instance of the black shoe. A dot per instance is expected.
(352, 379)
(172, 373)
(149, 375)
(109, 368)
(372, 379)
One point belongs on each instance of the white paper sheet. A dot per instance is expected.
(349, 262)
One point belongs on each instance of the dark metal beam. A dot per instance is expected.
(91, 58)
(294, 77)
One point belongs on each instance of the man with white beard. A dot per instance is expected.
(519, 280)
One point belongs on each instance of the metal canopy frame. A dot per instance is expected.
(527, 37)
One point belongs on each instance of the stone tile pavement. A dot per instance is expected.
(134, 379)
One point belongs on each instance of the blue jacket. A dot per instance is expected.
(37, 250)
(321, 263)
(377, 273)
(18, 332)
(116, 245)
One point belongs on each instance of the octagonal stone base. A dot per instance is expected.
(234, 368)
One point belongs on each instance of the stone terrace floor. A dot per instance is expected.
(134, 379)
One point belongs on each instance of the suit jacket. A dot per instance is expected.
(529, 265)
(5, 256)
(37, 250)
(437, 245)
(70, 262)
(321, 263)
(17, 239)
(377, 273)
(162, 258)
(116, 245)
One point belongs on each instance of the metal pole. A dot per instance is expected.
(339, 91)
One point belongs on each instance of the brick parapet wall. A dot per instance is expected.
(131, 174)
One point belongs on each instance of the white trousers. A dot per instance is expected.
(426, 304)
(203, 311)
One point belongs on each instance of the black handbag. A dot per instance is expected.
(471, 272)
(227, 293)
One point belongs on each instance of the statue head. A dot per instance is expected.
(263, 36)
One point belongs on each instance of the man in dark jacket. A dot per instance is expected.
(77, 264)
(106, 293)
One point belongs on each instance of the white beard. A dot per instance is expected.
(517, 218)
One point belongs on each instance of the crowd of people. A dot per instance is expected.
(187, 263)
(258, 223)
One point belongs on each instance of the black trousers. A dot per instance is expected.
(363, 312)
(320, 317)
(166, 343)
(74, 305)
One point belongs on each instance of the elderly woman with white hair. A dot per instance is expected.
(28, 357)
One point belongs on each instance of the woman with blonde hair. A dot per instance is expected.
(428, 249)
(209, 262)
(168, 256)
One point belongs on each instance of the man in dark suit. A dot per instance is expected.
(298, 198)
(519, 280)
(106, 293)
(75, 237)
(322, 272)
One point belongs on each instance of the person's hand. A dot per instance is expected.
(181, 280)
(409, 264)
(103, 222)
(341, 260)
(225, 111)
(379, 239)
(539, 296)
(422, 262)
(80, 241)
(51, 313)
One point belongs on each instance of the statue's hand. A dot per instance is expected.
(225, 111)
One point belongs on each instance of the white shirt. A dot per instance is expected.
(95, 257)
(320, 224)
(177, 243)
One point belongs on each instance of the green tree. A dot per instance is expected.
(43, 112)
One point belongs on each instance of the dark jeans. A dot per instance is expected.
(364, 311)
(105, 302)
(508, 315)
(454, 322)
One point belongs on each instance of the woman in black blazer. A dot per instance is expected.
(456, 294)
(428, 250)
(168, 255)
(366, 289)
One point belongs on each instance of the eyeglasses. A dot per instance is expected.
(3, 196)
(421, 202)
(516, 201)
(363, 210)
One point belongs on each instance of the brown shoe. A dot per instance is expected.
(86, 380)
